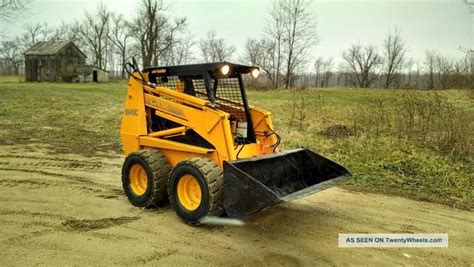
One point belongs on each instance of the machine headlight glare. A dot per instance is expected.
(225, 69)
(255, 72)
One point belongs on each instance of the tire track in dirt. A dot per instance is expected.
(34, 214)
(55, 167)
(22, 160)
(56, 159)
(26, 225)
(29, 183)
(85, 184)
(156, 256)
(38, 164)
(70, 178)
(75, 225)
(48, 164)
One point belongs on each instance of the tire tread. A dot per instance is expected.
(214, 179)
(161, 171)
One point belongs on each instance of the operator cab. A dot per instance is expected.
(220, 83)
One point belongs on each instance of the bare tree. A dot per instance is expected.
(274, 30)
(299, 34)
(120, 36)
(265, 54)
(323, 71)
(461, 74)
(215, 49)
(12, 54)
(181, 52)
(253, 51)
(470, 5)
(416, 77)
(33, 34)
(430, 67)
(154, 31)
(327, 72)
(445, 70)
(394, 52)
(360, 65)
(68, 32)
(289, 35)
(94, 30)
(408, 66)
(10, 9)
(318, 66)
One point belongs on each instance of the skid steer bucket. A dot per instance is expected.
(253, 184)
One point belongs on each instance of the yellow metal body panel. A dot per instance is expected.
(170, 132)
(134, 117)
(191, 113)
(263, 127)
(166, 144)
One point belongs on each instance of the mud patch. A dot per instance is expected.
(107, 196)
(33, 184)
(338, 131)
(158, 255)
(90, 225)
(56, 162)
(72, 178)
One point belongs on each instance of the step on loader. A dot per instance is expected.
(190, 137)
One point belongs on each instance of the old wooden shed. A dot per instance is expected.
(60, 61)
(53, 61)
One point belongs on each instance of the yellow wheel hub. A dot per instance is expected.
(189, 192)
(138, 179)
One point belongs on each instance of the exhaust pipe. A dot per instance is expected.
(253, 184)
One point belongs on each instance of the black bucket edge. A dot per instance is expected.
(316, 188)
(255, 196)
(244, 195)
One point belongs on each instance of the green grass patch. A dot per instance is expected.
(12, 78)
(74, 118)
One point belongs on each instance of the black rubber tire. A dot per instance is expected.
(157, 169)
(211, 181)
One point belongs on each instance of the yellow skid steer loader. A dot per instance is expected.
(190, 136)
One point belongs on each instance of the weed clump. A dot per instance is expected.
(337, 131)
(424, 119)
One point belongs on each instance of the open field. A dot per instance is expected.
(62, 201)
(85, 119)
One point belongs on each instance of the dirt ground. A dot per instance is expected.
(70, 210)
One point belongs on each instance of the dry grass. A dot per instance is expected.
(411, 143)
(425, 119)
(11, 78)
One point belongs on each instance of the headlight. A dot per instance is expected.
(225, 69)
(255, 72)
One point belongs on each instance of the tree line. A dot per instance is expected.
(284, 52)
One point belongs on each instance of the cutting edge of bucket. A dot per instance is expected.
(316, 188)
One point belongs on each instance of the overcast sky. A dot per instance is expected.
(443, 25)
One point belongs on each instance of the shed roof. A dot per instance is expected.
(50, 48)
